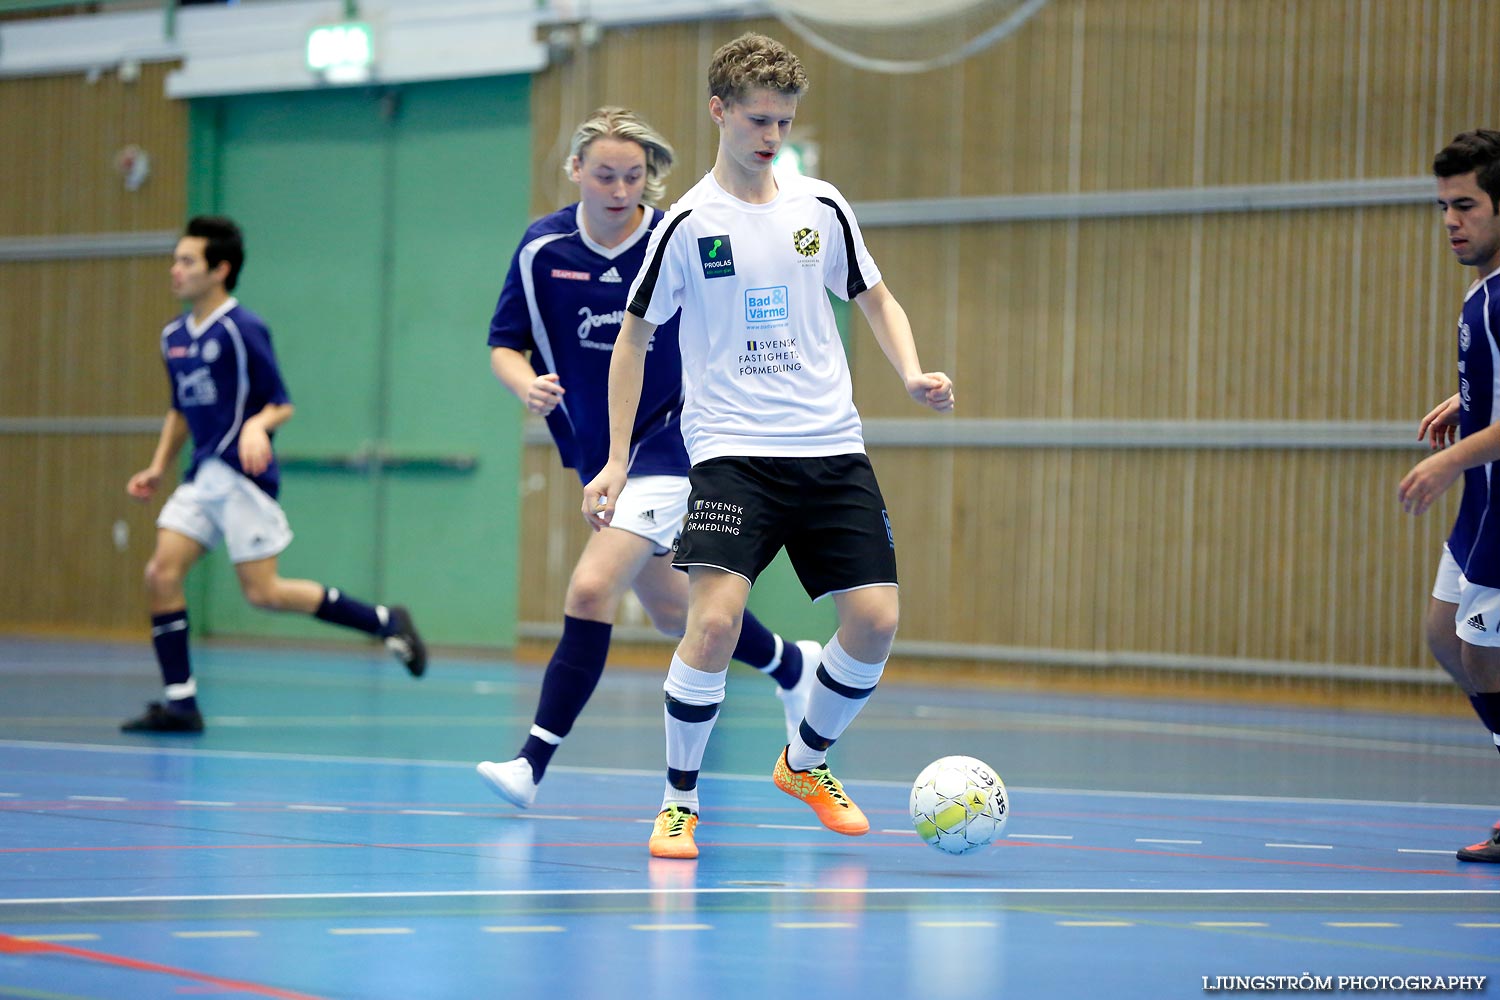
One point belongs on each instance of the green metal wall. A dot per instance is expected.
(378, 224)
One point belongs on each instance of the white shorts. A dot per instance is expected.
(220, 503)
(653, 507)
(1478, 619)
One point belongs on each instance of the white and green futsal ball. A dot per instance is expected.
(958, 804)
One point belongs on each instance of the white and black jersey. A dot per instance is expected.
(764, 369)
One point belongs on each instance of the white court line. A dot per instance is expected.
(784, 826)
(215, 934)
(1471, 924)
(814, 925)
(355, 931)
(431, 812)
(526, 929)
(1305, 847)
(671, 927)
(1158, 840)
(1230, 923)
(1094, 923)
(57, 937)
(308, 807)
(757, 778)
(943, 924)
(201, 802)
(10, 795)
(97, 798)
(1038, 836)
(749, 890)
(1419, 850)
(1358, 923)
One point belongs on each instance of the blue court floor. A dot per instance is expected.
(327, 837)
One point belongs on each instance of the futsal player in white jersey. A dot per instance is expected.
(1463, 614)
(227, 395)
(771, 429)
(550, 342)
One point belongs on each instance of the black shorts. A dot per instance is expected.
(826, 512)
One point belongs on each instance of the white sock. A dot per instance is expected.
(830, 712)
(688, 738)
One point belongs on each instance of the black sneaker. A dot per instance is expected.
(1485, 850)
(161, 719)
(405, 643)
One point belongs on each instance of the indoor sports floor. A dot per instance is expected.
(327, 837)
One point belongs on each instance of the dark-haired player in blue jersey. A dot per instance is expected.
(227, 395)
(1463, 615)
(563, 302)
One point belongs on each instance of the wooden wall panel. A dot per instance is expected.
(62, 500)
(61, 178)
(81, 338)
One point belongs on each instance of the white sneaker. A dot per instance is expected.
(794, 701)
(511, 780)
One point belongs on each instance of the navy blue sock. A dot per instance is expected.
(757, 647)
(169, 635)
(340, 609)
(572, 674)
(1487, 707)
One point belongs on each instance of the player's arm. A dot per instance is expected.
(1430, 477)
(540, 394)
(255, 436)
(627, 373)
(893, 332)
(174, 431)
(1440, 426)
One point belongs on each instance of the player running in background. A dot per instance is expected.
(1463, 615)
(227, 394)
(563, 301)
(776, 444)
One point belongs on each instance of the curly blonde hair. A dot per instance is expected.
(627, 126)
(752, 62)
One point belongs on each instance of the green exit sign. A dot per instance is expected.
(341, 53)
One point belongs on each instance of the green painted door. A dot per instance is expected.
(378, 226)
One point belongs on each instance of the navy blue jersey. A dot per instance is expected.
(1475, 541)
(221, 373)
(564, 301)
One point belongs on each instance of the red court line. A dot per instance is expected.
(16, 946)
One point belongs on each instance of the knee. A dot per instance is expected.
(718, 629)
(162, 577)
(869, 638)
(263, 594)
(591, 596)
(667, 617)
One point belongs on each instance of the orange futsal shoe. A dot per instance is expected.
(672, 836)
(822, 791)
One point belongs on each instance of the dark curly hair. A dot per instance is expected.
(1478, 151)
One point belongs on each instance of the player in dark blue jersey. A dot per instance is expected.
(562, 304)
(1463, 615)
(228, 397)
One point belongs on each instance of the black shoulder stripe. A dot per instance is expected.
(856, 279)
(642, 299)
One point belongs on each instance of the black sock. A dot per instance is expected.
(169, 636)
(572, 674)
(341, 609)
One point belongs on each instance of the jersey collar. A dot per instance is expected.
(610, 253)
(195, 330)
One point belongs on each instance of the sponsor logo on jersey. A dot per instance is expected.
(177, 352)
(767, 305)
(588, 321)
(196, 388)
(611, 277)
(211, 350)
(806, 242)
(890, 535)
(1463, 335)
(716, 256)
(558, 272)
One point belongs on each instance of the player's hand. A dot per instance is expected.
(545, 393)
(933, 390)
(600, 494)
(1440, 426)
(255, 448)
(1427, 481)
(144, 484)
